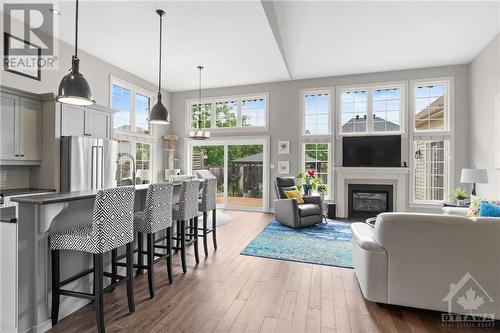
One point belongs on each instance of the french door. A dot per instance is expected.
(241, 166)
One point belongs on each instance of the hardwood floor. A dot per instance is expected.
(228, 292)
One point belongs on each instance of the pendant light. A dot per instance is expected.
(199, 133)
(74, 89)
(159, 114)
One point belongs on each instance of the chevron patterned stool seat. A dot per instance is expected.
(207, 204)
(187, 211)
(112, 227)
(156, 218)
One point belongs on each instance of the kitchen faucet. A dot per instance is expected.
(120, 155)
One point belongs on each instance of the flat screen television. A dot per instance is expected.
(371, 151)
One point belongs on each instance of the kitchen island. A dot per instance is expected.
(27, 306)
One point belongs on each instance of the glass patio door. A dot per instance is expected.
(241, 167)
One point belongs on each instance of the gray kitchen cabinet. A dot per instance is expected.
(92, 121)
(21, 130)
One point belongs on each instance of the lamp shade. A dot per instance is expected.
(159, 114)
(74, 89)
(474, 176)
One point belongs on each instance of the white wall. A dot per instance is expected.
(485, 85)
(284, 108)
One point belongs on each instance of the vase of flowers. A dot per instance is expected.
(459, 196)
(308, 181)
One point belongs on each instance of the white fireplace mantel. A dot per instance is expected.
(374, 176)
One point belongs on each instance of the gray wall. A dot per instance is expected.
(97, 72)
(284, 109)
(485, 84)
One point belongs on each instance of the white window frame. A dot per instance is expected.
(446, 135)
(132, 136)
(237, 98)
(303, 93)
(134, 89)
(329, 194)
(402, 85)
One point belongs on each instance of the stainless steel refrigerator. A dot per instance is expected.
(87, 163)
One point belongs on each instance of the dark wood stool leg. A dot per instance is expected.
(114, 270)
(98, 277)
(214, 228)
(55, 286)
(195, 233)
(183, 246)
(169, 258)
(130, 278)
(139, 254)
(178, 231)
(205, 238)
(151, 257)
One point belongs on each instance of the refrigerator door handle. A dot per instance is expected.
(93, 175)
(101, 166)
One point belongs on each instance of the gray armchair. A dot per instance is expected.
(288, 212)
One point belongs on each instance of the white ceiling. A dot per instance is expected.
(241, 43)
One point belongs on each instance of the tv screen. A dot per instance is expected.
(372, 151)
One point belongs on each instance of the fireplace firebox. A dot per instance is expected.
(367, 200)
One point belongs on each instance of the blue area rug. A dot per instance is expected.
(325, 244)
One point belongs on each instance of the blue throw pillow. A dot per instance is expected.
(489, 210)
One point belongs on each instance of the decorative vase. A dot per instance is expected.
(307, 189)
(322, 195)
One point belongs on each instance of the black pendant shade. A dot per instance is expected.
(74, 89)
(159, 114)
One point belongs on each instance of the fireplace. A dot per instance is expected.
(366, 200)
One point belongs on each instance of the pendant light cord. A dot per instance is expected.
(76, 31)
(159, 72)
(199, 97)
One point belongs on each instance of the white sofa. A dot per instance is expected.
(411, 259)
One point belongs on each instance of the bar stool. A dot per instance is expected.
(111, 227)
(186, 210)
(206, 204)
(156, 217)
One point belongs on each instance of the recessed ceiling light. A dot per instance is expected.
(54, 11)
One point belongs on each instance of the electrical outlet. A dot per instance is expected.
(3, 176)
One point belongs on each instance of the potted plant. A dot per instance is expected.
(322, 188)
(459, 196)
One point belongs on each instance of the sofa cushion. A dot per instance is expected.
(364, 235)
(475, 204)
(309, 210)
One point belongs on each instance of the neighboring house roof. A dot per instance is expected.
(379, 125)
(434, 110)
(259, 157)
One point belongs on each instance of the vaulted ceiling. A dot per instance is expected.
(245, 42)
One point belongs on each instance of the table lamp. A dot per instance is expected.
(473, 176)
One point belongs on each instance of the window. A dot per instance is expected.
(316, 157)
(253, 113)
(202, 114)
(132, 131)
(373, 109)
(316, 113)
(430, 170)
(121, 101)
(431, 137)
(430, 107)
(132, 104)
(142, 153)
(226, 114)
(229, 113)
